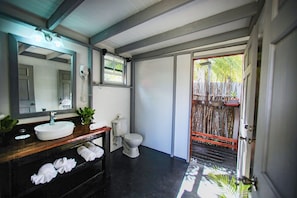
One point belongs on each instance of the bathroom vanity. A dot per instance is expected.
(22, 158)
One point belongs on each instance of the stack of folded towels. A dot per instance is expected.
(49, 171)
(90, 151)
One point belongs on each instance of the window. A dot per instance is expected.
(114, 69)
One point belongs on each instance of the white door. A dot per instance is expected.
(64, 89)
(247, 132)
(275, 156)
(26, 89)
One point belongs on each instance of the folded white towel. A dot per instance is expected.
(87, 154)
(64, 165)
(45, 174)
(96, 149)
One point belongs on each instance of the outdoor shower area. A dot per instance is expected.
(215, 115)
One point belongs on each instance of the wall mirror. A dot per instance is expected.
(42, 78)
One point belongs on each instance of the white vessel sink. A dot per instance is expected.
(57, 130)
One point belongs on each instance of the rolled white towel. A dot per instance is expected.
(45, 174)
(64, 165)
(87, 154)
(96, 149)
(2, 116)
(97, 125)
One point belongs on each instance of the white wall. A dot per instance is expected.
(182, 106)
(108, 102)
(153, 102)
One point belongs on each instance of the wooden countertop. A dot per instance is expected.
(19, 148)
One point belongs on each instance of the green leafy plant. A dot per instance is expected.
(7, 123)
(86, 115)
(229, 186)
(233, 94)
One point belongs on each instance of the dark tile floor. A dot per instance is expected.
(152, 174)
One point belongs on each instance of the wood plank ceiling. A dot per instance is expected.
(143, 28)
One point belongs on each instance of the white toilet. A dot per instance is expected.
(130, 141)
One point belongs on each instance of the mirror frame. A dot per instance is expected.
(13, 76)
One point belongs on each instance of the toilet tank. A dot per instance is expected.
(119, 126)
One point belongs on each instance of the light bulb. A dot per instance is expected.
(57, 41)
(38, 35)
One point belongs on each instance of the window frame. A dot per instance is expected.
(103, 71)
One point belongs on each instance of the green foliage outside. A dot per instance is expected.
(113, 65)
(224, 69)
(113, 69)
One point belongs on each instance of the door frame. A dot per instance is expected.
(247, 111)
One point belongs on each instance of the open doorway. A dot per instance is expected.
(215, 116)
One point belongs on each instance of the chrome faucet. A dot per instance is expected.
(52, 117)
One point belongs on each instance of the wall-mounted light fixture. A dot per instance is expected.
(42, 35)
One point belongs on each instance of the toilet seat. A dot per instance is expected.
(131, 141)
(133, 136)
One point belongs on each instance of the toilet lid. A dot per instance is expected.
(133, 136)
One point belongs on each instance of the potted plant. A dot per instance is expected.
(86, 115)
(234, 95)
(233, 100)
(6, 125)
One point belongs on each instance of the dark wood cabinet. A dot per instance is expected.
(18, 164)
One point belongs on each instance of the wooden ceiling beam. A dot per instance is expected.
(215, 47)
(235, 34)
(62, 12)
(206, 23)
(138, 18)
(23, 47)
(53, 55)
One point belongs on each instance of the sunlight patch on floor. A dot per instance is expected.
(198, 185)
(208, 188)
(189, 179)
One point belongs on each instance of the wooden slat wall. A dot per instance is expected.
(213, 125)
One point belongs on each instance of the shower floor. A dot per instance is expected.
(212, 155)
